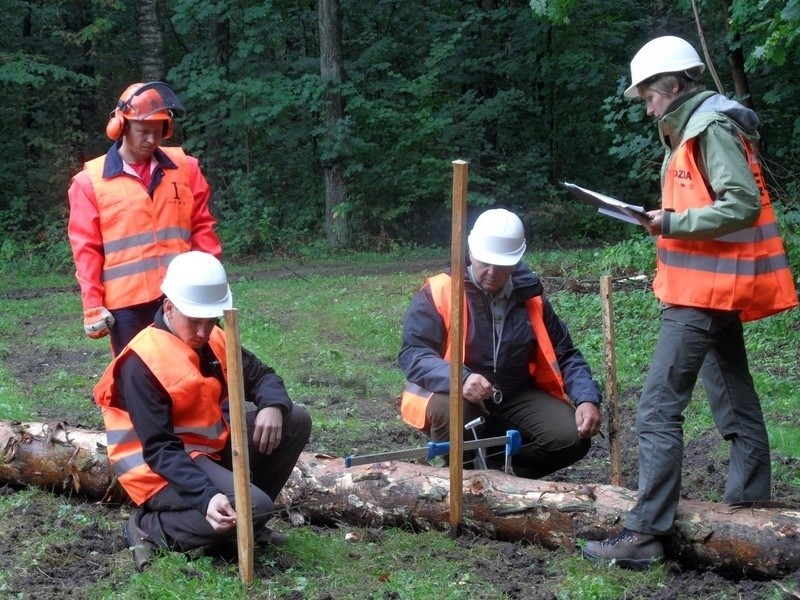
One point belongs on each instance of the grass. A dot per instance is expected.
(334, 338)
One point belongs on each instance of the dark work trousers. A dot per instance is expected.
(172, 523)
(709, 343)
(129, 321)
(546, 425)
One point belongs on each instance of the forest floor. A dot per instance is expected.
(523, 571)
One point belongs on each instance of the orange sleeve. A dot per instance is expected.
(203, 236)
(83, 230)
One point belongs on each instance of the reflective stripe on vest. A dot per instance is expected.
(196, 407)
(745, 271)
(141, 235)
(545, 369)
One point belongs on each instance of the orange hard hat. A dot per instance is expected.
(154, 101)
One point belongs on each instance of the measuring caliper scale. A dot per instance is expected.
(511, 440)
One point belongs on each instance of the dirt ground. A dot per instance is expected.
(523, 571)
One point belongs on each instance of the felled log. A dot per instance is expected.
(58, 458)
(756, 541)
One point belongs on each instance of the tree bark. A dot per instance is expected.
(762, 541)
(151, 40)
(58, 458)
(741, 85)
(337, 220)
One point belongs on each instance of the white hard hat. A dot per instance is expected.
(197, 285)
(497, 238)
(667, 54)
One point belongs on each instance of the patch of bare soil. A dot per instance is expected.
(83, 540)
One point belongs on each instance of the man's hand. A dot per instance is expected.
(220, 513)
(97, 322)
(476, 388)
(587, 418)
(269, 427)
(653, 224)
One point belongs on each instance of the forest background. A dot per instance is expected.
(327, 126)
(334, 123)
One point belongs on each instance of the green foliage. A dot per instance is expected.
(48, 251)
(634, 140)
(781, 29)
(196, 578)
(599, 582)
(391, 563)
(632, 256)
(788, 218)
(529, 95)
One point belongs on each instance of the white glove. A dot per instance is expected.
(97, 322)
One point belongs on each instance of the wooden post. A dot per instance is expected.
(241, 459)
(612, 400)
(457, 325)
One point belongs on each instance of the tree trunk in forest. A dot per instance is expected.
(741, 86)
(761, 541)
(151, 40)
(337, 220)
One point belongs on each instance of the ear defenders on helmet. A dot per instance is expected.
(154, 101)
(116, 127)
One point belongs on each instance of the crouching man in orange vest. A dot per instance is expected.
(521, 369)
(164, 400)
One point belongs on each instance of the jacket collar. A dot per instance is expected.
(672, 125)
(526, 283)
(114, 165)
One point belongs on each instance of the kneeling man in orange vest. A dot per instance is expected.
(521, 369)
(164, 402)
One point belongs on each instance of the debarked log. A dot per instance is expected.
(57, 458)
(754, 541)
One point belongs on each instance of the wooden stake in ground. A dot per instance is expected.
(458, 267)
(241, 459)
(612, 400)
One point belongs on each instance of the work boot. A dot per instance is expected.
(139, 543)
(271, 537)
(629, 549)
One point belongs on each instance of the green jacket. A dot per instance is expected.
(716, 122)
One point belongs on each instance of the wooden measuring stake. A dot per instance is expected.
(241, 458)
(457, 325)
(612, 399)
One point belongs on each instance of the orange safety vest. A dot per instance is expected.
(140, 234)
(544, 366)
(197, 417)
(745, 271)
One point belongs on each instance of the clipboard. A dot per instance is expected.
(607, 205)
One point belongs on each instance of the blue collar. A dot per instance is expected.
(113, 165)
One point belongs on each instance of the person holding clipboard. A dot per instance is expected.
(720, 262)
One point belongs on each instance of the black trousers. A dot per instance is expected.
(174, 524)
(550, 439)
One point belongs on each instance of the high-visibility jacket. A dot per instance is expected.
(543, 368)
(197, 416)
(745, 271)
(140, 234)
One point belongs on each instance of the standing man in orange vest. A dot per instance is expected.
(163, 401)
(720, 261)
(521, 369)
(131, 211)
